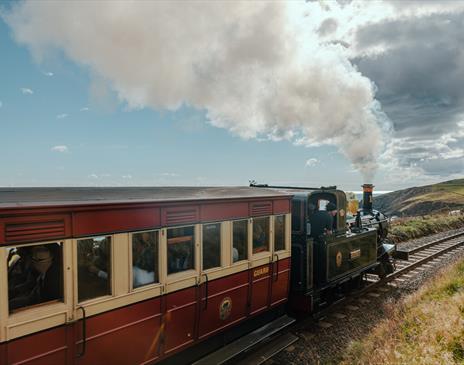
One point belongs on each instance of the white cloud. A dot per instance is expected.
(258, 69)
(27, 91)
(93, 176)
(312, 162)
(61, 149)
(169, 174)
(49, 74)
(1, 104)
(127, 176)
(62, 116)
(84, 109)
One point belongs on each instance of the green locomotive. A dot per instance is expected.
(326, 266)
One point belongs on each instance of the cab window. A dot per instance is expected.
(260, 234)
(144, 258)
(35, 275)
(211, 246)
(279, 233)
(240, 240)
(94, 267)
(181, 249)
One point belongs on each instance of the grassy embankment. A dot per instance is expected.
(425, 328)
(408, 228)
(449, 192)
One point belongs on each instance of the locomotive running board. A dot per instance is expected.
(246, 342)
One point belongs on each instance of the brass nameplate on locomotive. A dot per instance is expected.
(355, 254)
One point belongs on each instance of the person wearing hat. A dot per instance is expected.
(322, 221)
(40, 281)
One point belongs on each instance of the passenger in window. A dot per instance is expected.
(181, 258)
(260, 235)
(94, 267)
(144, 258)
(240, 241)
(211, 246)
(35, 277)
(181, 249)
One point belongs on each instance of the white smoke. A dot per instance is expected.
(252, 66)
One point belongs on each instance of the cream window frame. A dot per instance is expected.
(286, 252)
(265, 257)
(119, 278)
(146, 287)
(240, 263)
(40, 317)
(182, 279)
(222, 234)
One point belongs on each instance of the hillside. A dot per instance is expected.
(436, 198)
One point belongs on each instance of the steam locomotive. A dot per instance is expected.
(325, 268)
(163, 274)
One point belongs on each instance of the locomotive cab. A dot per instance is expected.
(323, 265)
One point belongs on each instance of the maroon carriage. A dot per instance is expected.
(134, 275)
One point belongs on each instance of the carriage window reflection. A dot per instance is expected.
(260, 234)
(211, 246)
(181, 249)
(94, 267)
(144, 258)
(35, 275)
(240, 240)
(279, 233)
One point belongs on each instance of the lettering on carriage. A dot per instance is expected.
(261, 271)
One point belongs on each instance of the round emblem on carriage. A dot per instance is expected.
(342, 212)
(225, 308)
(338, 259)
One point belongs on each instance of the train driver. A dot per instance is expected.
(322, 221)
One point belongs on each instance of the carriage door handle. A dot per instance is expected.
(277, 265)
(84, 332)
(206, 291)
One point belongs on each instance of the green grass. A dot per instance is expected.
(427, 327)
(416, 227)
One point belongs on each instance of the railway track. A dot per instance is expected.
(412, 262)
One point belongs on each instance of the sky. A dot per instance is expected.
(111, 93)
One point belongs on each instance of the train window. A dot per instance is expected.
(144, 258)
(35, 275)
(260, 234)
(240, 240)
(322, 204)
(94, 267)
(181, 249)
(211, 246)
(279, 233)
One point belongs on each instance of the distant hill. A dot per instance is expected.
(436, 198)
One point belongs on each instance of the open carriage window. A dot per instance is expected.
(260, 234)
(279, 233)
(240, 240)
(181, 249)
(211, 246)
(94, 267)
(35, 275)
(144, 258)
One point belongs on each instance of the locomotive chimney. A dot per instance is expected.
(367, 197)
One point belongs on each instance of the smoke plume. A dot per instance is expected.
(252, 66)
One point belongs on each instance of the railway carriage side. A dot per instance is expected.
(134, 283)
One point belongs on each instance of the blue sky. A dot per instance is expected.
(111, 145)
(72, 117)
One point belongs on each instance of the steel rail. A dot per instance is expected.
(427, 245)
